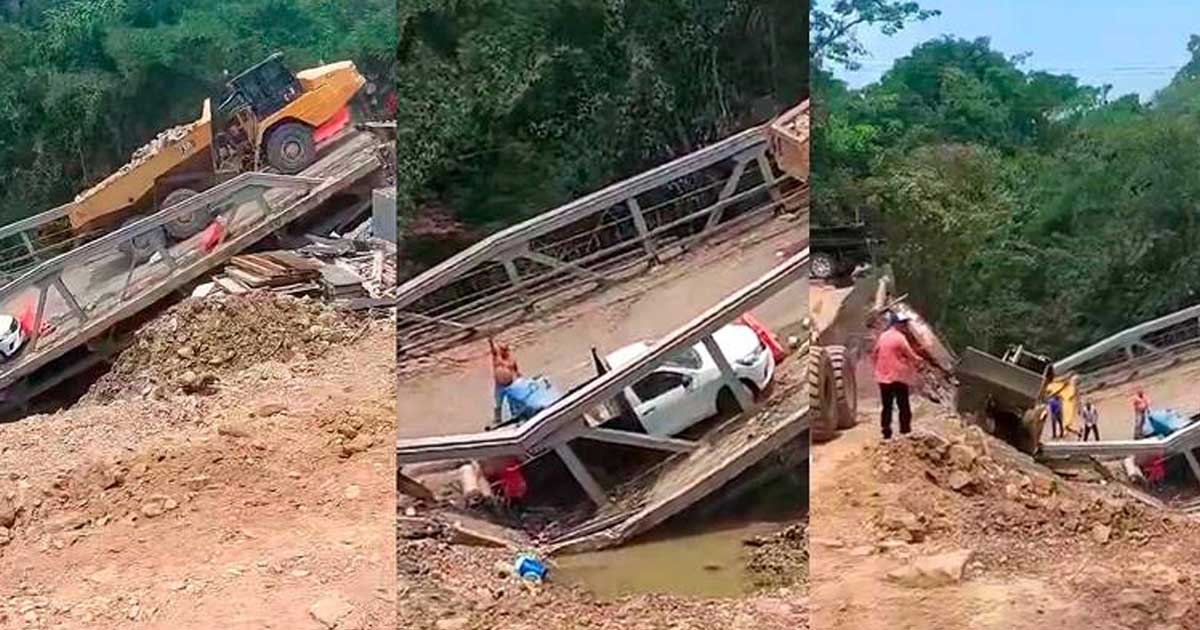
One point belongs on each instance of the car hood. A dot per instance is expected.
(737, 341)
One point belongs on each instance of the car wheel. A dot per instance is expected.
(727, 404)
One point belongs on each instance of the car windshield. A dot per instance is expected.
(687, 358)
(12, 326)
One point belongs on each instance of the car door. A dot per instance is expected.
(661, 401)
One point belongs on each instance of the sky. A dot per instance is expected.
(1136, 46)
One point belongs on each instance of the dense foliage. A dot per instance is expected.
(1019, 206)
(511, 107)
(86, 82)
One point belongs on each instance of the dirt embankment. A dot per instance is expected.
(196, 342)
(265, 502)
(447, 585)
(963, 531)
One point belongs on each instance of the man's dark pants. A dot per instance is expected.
(895, 394)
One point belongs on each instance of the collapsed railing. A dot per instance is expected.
(78, 295)
(572, 417)
(593, 240)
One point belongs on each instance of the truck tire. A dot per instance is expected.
(822, 396)
(823, 266)
(290, 148)
(143, 246)
(189, 224)
(845, 386)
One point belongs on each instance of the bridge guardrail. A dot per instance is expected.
(592, 240)
(82, 292)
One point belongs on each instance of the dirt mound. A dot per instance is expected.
(781, 559)
(972, 489)
(195, 341)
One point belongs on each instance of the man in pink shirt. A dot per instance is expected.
(895, 371)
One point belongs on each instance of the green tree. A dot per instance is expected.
(86, 82)
(513, 107)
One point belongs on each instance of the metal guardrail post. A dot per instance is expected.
(514, 277)
(768, 175)
(639, 222)
(69, 297)
(731, 185)
(727, 374)
(36, 334)
(28, 242)
(581, 474)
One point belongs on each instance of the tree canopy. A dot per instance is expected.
(86, 82)
(1018, 206)
(509, 108)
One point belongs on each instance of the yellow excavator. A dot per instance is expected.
(267, 117)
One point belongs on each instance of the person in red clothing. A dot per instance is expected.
(896, 364)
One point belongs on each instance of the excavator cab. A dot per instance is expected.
(265, 87)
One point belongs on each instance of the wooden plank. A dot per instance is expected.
(293, 260)
(251, 280)
(258, 266)
(231, 286)
(336, 276)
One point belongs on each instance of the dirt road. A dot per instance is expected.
(267, 503)
(1032, 549)
(458, 383)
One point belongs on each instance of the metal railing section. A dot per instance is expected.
(1149, 341)
(83, 291)
(592, 240)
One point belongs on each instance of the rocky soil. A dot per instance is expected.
(264, 503)
(141, 155)
(197, 341)
(962, 527)
(781, 559)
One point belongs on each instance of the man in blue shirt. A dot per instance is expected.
(1054, 407)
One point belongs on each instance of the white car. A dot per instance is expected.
(688, 387)
(11, 337)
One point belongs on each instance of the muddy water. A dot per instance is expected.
(698, 553)
(705, 564)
